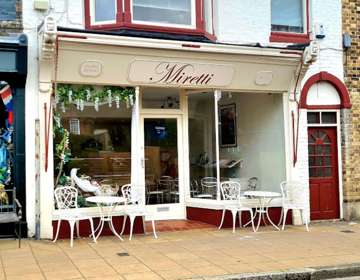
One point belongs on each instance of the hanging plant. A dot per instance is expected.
(82, 96)
(62, 150)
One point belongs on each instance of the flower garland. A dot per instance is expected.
(82, 96)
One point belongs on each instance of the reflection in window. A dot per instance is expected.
(202, 146)
(287, 16)
(105, 10)
(163, 11)
(100, 143)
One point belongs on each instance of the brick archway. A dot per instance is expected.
(335, 82)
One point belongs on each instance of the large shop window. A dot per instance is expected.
(100, 146)
(251, 142)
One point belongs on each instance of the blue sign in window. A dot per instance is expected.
(7, 61)
(7, 9)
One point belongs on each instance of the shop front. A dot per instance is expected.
(13, 72)
(173, 119)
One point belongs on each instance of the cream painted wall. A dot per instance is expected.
(260, 137)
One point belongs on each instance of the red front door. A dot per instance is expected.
(323, 172)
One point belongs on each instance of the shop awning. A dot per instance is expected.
(87, 58)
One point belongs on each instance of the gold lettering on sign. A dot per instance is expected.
(169, 73)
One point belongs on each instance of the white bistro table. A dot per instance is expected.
(264, 197)
(106, 205)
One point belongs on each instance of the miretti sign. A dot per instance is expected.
(180, 74)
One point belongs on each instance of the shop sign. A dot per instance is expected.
(180, 74)
(90, 68)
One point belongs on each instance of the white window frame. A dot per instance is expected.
(154, 23)
(71, 125)
(305, 26)
(92, 15)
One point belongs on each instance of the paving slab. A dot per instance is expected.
(330, 249)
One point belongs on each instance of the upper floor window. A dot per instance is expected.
(103, 11)
(173, 16)
(164, 12)
(290, 21)
(8, 10)
(287, 16)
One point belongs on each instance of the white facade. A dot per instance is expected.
(235, 22)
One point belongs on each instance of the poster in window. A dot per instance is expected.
(228, 127)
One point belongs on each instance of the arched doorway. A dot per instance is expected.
(323, 95)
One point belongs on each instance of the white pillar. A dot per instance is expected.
(217, 95)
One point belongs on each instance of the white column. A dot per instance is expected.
(46, 175)
(137, 151)
(217, 95)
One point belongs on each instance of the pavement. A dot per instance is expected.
(205, 253)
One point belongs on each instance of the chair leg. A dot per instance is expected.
(153, 226)
(284, 218)
(234, 212)
(72, 224)
(281, 216)
(92, 229)
(132, 219)
(77, 228)
(240, 223)
(252, 220)
(124, 223)
(304, 219)
(57, 230)
(222, 218)
(19, 234)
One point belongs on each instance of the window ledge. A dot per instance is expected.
(282, 37)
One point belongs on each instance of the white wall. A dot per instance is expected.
(260, 137)
(67, 13)
(242, 22)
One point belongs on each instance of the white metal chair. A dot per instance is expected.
(66, 201)
(133, 209)
(230, 191)
(292, 193)
(209, 186)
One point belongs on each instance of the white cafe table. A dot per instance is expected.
(264, 197)
(106, 205)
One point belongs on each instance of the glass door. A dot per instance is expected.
(162, 163)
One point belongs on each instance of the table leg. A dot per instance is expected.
(268, 217)
(113, 229)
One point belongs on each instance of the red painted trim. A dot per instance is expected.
(127, 11)
(282, 37)
(72, 36)
(199, 14)
(298, 38)
(87, 14)
(323, 107)
(190, 46)
(84, 227)
(213, 217)
(335, 82)
(119, 11)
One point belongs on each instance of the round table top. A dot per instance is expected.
(105, 199)
(262, 194)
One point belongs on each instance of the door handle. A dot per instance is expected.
(142, 163)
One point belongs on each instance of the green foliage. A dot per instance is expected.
(70, 94)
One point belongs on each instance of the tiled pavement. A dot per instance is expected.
(183, 254)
